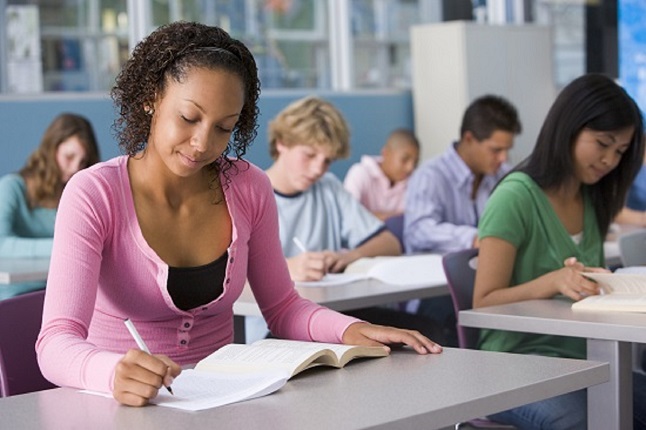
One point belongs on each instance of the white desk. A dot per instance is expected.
(16, 270)
(609, 336)
(355, 295)
(404, 390)
(359, 294)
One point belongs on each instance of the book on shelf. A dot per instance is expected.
(405, 270)
(622, 291)
(238, 372)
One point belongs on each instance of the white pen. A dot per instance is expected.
(140, 342)
(299, 244)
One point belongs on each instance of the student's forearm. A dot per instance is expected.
(631, 216)
(385, 243)
(385, 215)
(539, 288)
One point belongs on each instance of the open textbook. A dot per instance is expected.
(624, 291)
(238, 372)
(406, 270)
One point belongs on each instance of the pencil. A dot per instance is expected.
(140, 342)
(299, 244)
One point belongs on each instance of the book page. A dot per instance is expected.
(410, 270)
(333, 279)
(343, 353)
(337, 348)
(629, 283)
(405, 270)
(194, 390)
(613, 302)
(364, 265)
(281, 354)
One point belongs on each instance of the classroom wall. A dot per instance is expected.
(371, 115)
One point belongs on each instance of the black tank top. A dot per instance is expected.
(190, 287)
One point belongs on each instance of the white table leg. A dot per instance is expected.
(610, 405)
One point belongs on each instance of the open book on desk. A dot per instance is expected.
(623, 291)
(238, 372)
(405, 270)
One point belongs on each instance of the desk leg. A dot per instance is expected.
(239, 333)
(610, 405)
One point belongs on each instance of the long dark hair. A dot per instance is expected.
(595, 102)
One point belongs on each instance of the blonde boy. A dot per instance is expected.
(322, 227)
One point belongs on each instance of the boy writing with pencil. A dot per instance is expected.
(323, 228)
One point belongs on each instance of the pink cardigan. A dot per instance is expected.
(103, 271)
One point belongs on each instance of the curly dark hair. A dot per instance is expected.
(170, 52)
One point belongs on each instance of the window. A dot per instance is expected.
(80, 45)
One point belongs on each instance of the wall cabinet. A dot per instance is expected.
(456, 62)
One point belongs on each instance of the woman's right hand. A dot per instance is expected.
(139, 376)
(570, 282)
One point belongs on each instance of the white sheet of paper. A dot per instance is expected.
(195, 390)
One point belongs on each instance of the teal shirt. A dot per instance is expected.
(24, 232)
(520, 213)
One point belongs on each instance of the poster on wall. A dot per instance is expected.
(24, 65)
(632, 49)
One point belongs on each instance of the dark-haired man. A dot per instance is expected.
(447, 194)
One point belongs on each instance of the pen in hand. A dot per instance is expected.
(140, 342)
(299, 244)
(303, 249)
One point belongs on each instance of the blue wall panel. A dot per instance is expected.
(371, 115)
(632, 49)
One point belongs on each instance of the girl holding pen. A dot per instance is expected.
(545, 223)
(167, 234)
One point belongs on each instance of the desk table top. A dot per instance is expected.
(402, 390)
(16, 270)
(555, 316)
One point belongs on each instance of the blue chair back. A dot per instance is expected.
(395, 224)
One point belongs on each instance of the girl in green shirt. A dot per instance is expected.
(545, 223)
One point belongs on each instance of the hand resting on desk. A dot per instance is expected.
(139, 375)
(362, 333)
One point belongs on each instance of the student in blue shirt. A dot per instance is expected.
(313, 207)
(323, 228)
(30, 197)
(447, 194)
